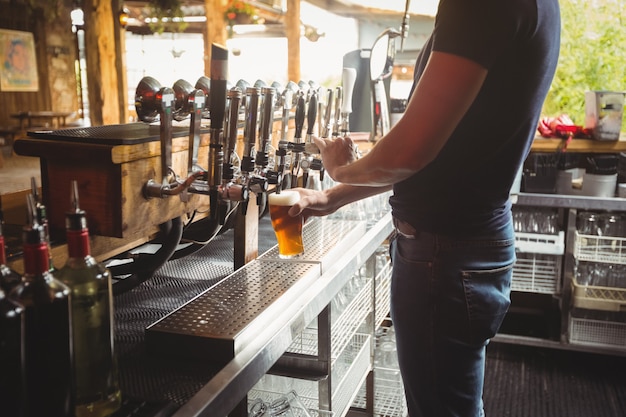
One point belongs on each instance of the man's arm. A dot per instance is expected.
(443, 95)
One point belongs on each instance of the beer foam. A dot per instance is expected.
(285, 198)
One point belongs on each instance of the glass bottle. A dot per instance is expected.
(97, 383)
(47, 328)
(8, 277)
(12, 380)
(42, 218)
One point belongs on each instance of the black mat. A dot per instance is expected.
(524, 381)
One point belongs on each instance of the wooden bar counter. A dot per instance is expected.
(111, 164)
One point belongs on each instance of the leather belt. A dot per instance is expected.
(404, 229)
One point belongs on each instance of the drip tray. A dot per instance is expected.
(221, 321)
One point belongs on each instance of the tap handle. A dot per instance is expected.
(311, 115)
(165, 100)
(300, 116)
(267, 115)
(182, 102)
(232, 129)
(338, 103)
(252, 112)
(219, 76)
(348, 80)
(326, 128)
(204, 84)
(198, 101)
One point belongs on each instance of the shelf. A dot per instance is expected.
(569, 201)
(541, 144)
(349, 370)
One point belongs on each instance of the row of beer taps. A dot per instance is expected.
(229, 177)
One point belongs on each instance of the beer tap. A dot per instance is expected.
(326, 126)
(204, 84)
(229, 190)
(219, 75)
(338, 104)
(252, 181)
(243, 86)
(287, 100)
(152, 103)
(404, 28)
(296, 154)
(307, 160)
(380, 116)
(233, 103)
(190, 101)
(265, 128)
(348, 79)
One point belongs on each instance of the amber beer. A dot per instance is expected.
(288, 229)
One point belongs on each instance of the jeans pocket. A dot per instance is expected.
(488, 297)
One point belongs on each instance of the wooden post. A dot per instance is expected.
(214, 29)
(120, 60)
(292, 27)
(246, 233)
(100, 52)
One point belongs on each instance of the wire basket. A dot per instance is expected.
(537, 273)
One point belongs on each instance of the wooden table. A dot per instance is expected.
(49, 118)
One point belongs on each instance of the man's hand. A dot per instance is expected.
(312, 203)
(335, 153)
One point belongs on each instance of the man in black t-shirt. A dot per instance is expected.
(480, 83)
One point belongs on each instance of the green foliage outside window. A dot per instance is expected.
(593, 55)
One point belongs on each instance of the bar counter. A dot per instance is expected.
(203, 382)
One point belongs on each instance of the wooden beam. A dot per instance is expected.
(101, 67)
(214, 29)
(292, 27)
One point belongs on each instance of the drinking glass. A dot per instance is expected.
(288, 229)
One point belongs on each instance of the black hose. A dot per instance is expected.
(145, 265)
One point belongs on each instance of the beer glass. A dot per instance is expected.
(288, 229)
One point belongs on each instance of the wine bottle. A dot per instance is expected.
(8, 277)
(97, 383)
(12, 380)
(47, 328)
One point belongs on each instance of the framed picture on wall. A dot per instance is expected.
(18, 62)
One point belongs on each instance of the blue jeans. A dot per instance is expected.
(448, 298)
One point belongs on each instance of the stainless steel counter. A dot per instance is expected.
(229, 385)
(205, 385)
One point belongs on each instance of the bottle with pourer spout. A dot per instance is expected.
(97, 383)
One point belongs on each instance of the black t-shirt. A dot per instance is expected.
(465, 190)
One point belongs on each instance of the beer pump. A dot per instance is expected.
(152, 103)
(338, 105)
(230, 190)
(252, 181)
(381, 68)
(296, 154)
(286, 101)
(190, 101)
(204, 84)
(218, 86)
(308, 162)
(348, 78)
